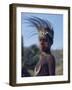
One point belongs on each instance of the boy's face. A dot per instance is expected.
(44, 43)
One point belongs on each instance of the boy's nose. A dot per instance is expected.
(42, 42)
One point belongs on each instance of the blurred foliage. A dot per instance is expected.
(29, 58)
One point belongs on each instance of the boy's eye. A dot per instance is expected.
(45, 40)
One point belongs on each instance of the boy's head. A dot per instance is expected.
(45, 31)
(46, 39)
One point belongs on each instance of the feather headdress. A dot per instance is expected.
(43, 27)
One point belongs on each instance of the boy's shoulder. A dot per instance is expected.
(51, 58)
(47, 57)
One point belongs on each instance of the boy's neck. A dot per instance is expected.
(47, 51)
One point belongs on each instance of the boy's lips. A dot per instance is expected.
(43, 47)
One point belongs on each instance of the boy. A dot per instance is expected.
(46, 64)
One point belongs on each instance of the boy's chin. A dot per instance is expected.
(46, 50)
(43, 49)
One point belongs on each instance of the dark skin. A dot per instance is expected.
(46, 64)
(44, 45)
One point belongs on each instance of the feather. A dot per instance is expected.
(41, 25)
